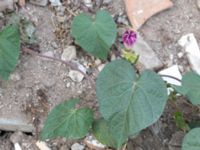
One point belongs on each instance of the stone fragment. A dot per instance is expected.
(15, 77)
(139, 11)
(174, 72)
(6, 4)
(77, 146)
(17, 146)
(190, 45)
(198, 4)
(88, 3)
(55, 3)
(69, 53)
(15, 125)
(42, 145)
(49, 54)
(39, 2)
(92, 143)
(76, 76)
(16, 137)
(147, 56)
(176, 141)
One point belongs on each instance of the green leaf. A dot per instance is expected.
(192, 140)
(66, 121)
(190, 87)
(129, 103)
(102, 133)
(9, 50)
(95, 35)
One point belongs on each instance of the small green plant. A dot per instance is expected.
(128, 102)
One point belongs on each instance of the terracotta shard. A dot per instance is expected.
(139, 11)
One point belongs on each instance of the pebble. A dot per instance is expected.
(55, 3)
(61, 19)
(176, 141)
(180, 54)
(16, 137)
(97, 62)
(42, 145)
(100, 67)
(39, 2)
(15, 77)
(76, 76)
(198, 4)
(77, 146)
(88, 3)
(107, 1)
(69, 53)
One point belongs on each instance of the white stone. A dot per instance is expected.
(88, 3)
(93, 143)
(189, 43)
(15, 77)
(17, 146)
(180, 54)
(55, 2)
(42, 145)
(174, 72)
(76, 76)
(77, 146)
(69, 53)
(49, 54)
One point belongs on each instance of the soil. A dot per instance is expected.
(39, 84)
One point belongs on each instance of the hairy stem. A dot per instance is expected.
(68, 63)
(168, 76)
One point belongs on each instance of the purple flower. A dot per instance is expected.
(129, 38)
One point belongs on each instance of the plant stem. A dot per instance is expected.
(68, 63)
(168, 76)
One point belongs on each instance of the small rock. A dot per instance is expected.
(97, 62)
(88, 3)
(69, 53)
(198, 4)
(176, 141)
(16, 137)
(100, 68)
(76, 76)
(6, 4)
(107, 1)
(42, 145)
(15, 125)
(49, 54)
(55, 3)
(189, 43)
(17, 146)
(147, 56)
(180, 54)
(92, 143)
(54, 45)
(77, 146)
(39, 2)
(15, 77)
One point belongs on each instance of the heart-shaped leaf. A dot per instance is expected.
(190, 87)
(66, 121)
(191, 140)
(129, 102)
(102, 133)
(9, 50)
(95, 35)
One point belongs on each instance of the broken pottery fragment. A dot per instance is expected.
(139, 11)
(190, 45)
